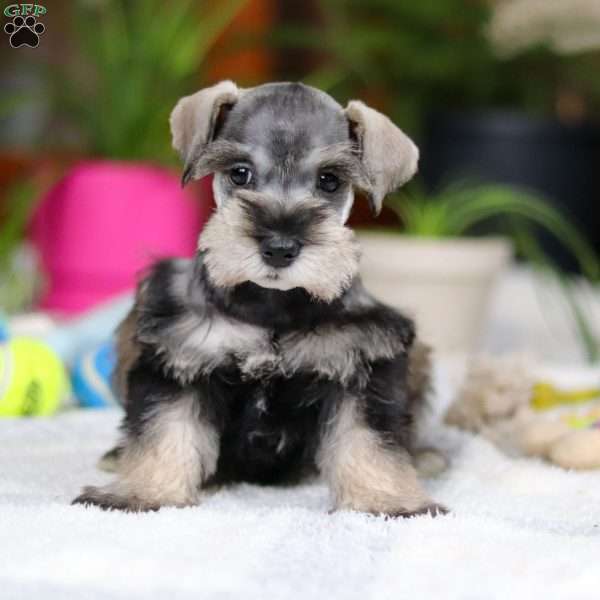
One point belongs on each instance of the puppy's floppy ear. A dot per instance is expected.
(388, 155)
(194, 120)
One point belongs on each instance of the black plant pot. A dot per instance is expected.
(559, 161)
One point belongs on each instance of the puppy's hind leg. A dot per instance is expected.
(109, 461)
(164, 463)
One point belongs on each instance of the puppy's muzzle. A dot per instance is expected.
(279, 251)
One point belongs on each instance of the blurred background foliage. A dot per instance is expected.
(108, 71)
(133, 61)
(506, 91)
(126, 65)
(415, 57)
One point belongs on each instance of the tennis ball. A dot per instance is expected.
(33, 380)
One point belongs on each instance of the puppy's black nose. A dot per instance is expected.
(279, 252)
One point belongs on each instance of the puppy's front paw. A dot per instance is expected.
(434, 510)
(108, 499)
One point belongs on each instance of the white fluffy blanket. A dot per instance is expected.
(519, 529)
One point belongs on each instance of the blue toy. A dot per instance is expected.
(91, 376)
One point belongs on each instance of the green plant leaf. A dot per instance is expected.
(458, 208)
(132, 61)
(528, 245)
(20, 199)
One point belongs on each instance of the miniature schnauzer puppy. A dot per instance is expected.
(264, 359)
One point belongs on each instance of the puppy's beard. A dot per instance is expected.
(326, 264)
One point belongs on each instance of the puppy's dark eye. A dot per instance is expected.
(240, 175)
(328, 182)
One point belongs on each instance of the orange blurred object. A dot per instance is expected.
(245, 65)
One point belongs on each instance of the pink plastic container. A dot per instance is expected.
(104, 222)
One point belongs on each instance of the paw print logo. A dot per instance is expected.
(24, 32)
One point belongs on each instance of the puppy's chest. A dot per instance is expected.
(269, 428)
(193, 347)
(319, 351)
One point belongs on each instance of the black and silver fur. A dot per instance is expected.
(264, 359)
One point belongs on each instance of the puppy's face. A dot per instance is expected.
(287, 142)
(286, 159)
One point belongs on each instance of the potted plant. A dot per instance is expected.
(122, 206)
(443, 274)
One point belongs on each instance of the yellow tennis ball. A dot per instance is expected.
(33, 380)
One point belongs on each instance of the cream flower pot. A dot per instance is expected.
(444, 284)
